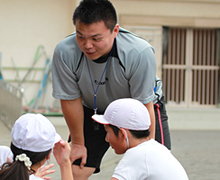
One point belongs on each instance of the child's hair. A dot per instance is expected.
(17, 170)
(35, 157)
(92, 11)
(136, 134)
(14, 171)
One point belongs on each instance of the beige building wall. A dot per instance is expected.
(151, 15)
(184, 13)
(26, 24)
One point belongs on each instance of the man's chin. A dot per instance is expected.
(92, 57)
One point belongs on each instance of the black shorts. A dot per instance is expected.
(95, 143)
(162, 133)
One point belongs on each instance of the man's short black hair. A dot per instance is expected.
(92, 11)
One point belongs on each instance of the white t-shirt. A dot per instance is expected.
(4, 153)
(149, 161)
(33, 177)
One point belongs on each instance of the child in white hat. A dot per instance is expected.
(127, 123)
(5, 154)
(33, 138)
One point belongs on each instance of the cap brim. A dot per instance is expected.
(100, 119)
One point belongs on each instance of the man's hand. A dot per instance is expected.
(78, 152)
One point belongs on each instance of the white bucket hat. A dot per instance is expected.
(34, 132)
(125, 113)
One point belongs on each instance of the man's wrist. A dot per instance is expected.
(76, 143)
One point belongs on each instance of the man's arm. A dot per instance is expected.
(150, 108)
(74, 116)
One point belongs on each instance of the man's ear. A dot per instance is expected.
(116, 30)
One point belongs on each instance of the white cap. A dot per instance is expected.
(34, 132)
(125, 113)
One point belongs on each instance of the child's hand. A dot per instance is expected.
(61, 152)
(43, 171)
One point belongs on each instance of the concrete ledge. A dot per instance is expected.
(57, 120)
(179, 119)
(194, 118)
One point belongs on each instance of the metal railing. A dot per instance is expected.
(10, 103)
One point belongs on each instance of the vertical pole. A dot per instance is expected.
(188, 74)
(1, 66)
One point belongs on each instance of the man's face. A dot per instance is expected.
(116, 142)
(95, 40)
